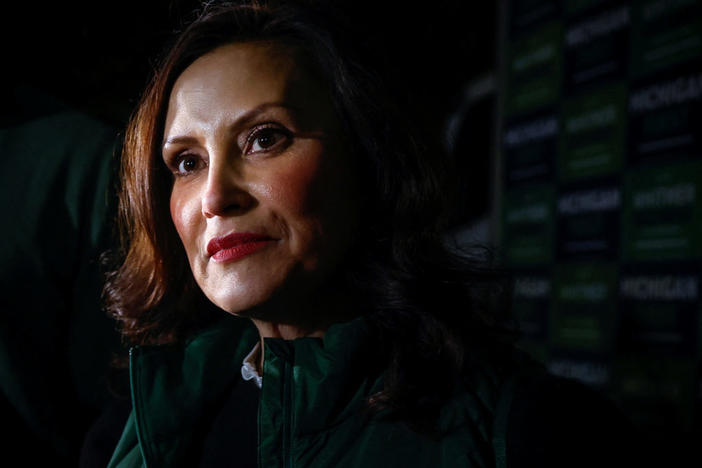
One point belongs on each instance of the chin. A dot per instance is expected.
(270, 305)
(239, 305)
(275, 295)
(239, 299)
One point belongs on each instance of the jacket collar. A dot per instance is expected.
(172, 386)
(331, 376)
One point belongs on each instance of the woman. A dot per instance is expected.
(280, 221)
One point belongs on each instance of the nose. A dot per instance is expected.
(225, 192)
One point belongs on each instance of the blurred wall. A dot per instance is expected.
(599, 188)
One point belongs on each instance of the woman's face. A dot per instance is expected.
(264, 196)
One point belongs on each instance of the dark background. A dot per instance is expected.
(98, 57)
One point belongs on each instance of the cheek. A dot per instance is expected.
(315, 199)
(294, 187)
(293, 190)
(184, 213)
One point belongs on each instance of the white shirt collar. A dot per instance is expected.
(248, 367)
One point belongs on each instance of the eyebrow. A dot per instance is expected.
(241, 121)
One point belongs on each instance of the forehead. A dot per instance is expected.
(238, 77)
(238, 65)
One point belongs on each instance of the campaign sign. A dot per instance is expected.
(528, 225)
(587, 221)
(531, 309)
(665, 116)
(534, 75)
(657, 392)
(532, 304)
(659, 309)
(526, 14)
(576, 7)
(584, 315)
(662, 212)
(530, 147)
(594, 371)
(596, 48)
(665, 33)
(593, 134)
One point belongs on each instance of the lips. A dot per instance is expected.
(236, 245)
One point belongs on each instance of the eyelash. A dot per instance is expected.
(255, 134)
(262, 130)
(178, 160)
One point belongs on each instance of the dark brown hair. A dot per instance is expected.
(428, 303)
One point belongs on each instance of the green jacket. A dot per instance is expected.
(310, 407)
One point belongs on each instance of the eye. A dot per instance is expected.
(266, 139)
(186, 164)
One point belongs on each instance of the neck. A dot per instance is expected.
(320, 316)
(285, 331)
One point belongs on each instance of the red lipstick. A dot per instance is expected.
(237, 245)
